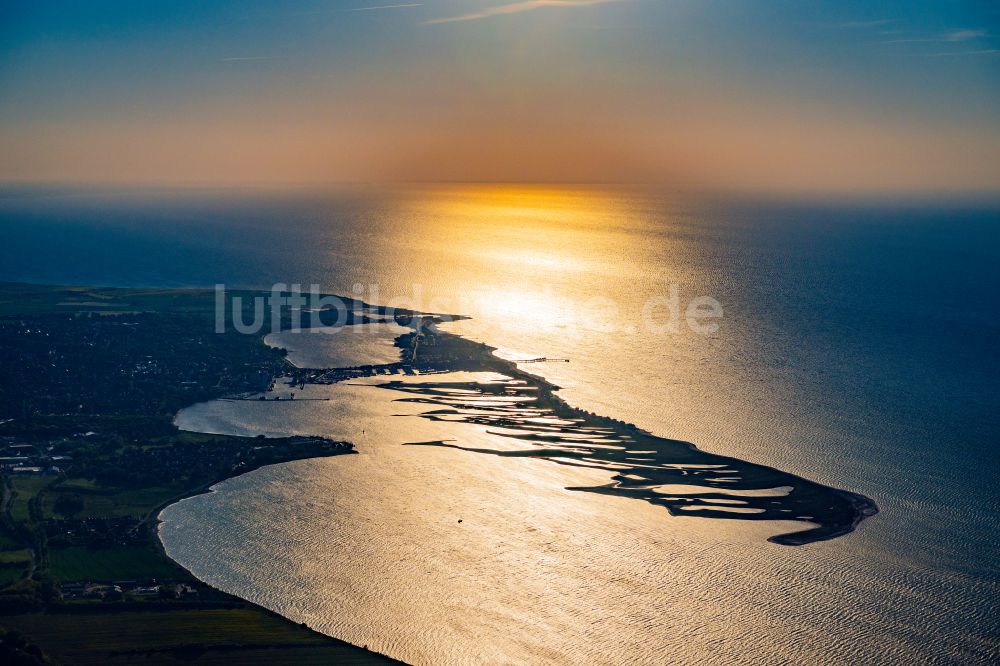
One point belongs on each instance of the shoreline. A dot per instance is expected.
(432, 351)
(131, 420)
(480, 357)
(153, 523)
(826, 512)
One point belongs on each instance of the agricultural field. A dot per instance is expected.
(81, 499)
(204, 636)
(139, 562)
(24, 489)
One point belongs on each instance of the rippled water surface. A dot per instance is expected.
(857, 348)
(339, 347)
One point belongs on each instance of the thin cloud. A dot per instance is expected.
(964, 35)
(849, 25)
(953, 36)
(515, 8)
(949, 54)
(923, 40)
(377, 7)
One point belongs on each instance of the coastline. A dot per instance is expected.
(154, 526)
(128, 462)
(480, 357)
(433, 351)
(852, 508)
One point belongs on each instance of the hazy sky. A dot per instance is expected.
(791, 95)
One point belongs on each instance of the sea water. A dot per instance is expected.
(857, 347)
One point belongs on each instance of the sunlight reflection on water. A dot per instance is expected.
(825, 365)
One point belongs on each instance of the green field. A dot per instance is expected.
(109, 503)
(9, 574)
(7, 542)
(25, 487)
(123, 562)
(15, 556)
(237, 636)
(79, 485)
(23, 299)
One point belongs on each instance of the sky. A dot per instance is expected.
(764, 95)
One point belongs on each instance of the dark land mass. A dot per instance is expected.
(90, 382)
